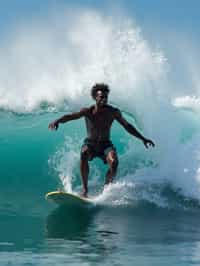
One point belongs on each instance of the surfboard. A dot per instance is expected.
(68, 199)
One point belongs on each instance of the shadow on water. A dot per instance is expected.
(143, 221)
(69, 222)
(147, 223)
(74, 231)
(96, 235)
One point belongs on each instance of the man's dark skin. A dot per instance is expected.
(99, 119)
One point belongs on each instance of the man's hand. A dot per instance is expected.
(53, 125)
(148, 143)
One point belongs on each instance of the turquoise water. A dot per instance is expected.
(124, 236)
(150, 214)
(119, 230)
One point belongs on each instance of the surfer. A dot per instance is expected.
(99, 119)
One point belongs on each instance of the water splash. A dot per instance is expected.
(90, 47)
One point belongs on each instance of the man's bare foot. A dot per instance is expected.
(84, 194)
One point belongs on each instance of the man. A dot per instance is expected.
(99, 119)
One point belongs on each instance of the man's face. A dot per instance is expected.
(101, 98)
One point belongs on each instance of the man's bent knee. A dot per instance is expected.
(86, 153)
(112, 160)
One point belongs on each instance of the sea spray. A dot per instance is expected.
(56, 75)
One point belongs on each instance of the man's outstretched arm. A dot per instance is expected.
(65, 118)
(132, 130)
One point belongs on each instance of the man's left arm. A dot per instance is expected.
(132, 130)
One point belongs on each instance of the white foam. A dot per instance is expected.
(62, 59)
(188, 102)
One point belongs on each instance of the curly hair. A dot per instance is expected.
(99, 87)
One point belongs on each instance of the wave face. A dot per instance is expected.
(40, 80)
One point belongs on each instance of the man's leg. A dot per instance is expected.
(86, 155)
(112, 161)
(84, 167)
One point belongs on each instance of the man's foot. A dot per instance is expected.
(108, 181)
(84, 194)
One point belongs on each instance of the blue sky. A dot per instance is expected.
(172, 13)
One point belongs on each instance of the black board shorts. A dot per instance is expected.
(97, 149)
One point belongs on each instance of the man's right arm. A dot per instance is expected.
(65, 118)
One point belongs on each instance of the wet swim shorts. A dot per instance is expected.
(91, 149)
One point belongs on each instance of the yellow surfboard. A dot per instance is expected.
(68, 199)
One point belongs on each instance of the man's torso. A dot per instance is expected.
(98, 123)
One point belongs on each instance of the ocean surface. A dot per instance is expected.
(150, 214)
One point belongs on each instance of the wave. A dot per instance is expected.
(40, 83)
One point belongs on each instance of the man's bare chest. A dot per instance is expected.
(101, 119)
